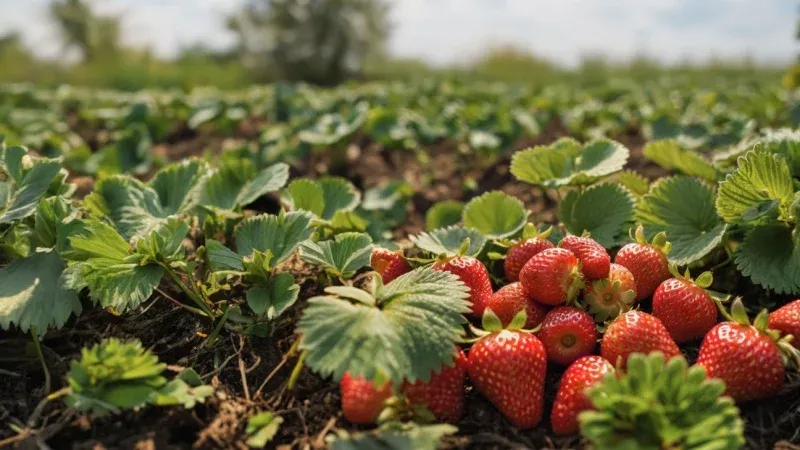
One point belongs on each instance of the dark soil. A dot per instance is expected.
(238, 366)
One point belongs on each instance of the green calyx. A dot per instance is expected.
(669, 405)
(607, 300)
(491, 324)
(573, 285)
(530, 232)
(659, 241)
(704, 280)
(738, 314)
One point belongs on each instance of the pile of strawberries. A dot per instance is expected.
(558, 300)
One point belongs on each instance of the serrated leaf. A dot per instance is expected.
(343, 256)
(275, 297)
(495, 214)
(761, 177)
(280, 235)
(132, 206)
(683, 208)
(261, 428)
(443, 214)
(409, 334)
(165, 242)
(449, 240)
(771, 257)
(95, 239)
(179, 392)
(268, 180)
(339, 195)
(784, 142)
(221, 257)
(47, 220)
(605, 211)
(118, 284)
(566, 163)
(32, 294)
(305, 194)
(175, 185)
(402, 437)
(671, 156)
(634, 182)
(25, 193)
(236, 184)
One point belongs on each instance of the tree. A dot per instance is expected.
(319, 41)
(93, 36)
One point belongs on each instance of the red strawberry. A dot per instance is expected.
(567, 334)
(749, 358)
(684, 307)
(636, 332)
(595, 262)
(388, 264)
(786, 319)
(530, 245)
(473, 274)
(508, 367)
(570, 399)
(552, 277)
(362, 402)
(510, 300)
(443, 394)
(647, 262)
(609, 297)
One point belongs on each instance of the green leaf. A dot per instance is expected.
(339, 195)
(94, 239)
(683, 208)
(280, 235)
(268, 180)
(566, 163)
(132, 206)
(179, 392)
(261, 428)
(408, 334)
(671, 156)
(495, 214)
(443, 214)
(221, 257)
(176, 183)
(634, 182)
(236, 184)
(25, 193)
(605, 211)
(32, 294)
(118, 284)
(394, 436)
(449, 241)
(343, 256)
(305, 194)
(47, 220)
(275, 297)
(784, 142)
(761, 177)
(770, 256)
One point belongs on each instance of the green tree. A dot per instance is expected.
(94, 36)
(319, 41)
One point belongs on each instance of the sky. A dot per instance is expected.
(444, 32)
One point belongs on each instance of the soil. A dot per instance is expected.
(238, 366)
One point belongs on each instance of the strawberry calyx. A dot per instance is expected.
(607, 300)
(738, 314)
(573, 284)
(530, 231)
(491, 324)
(704, 280)
(659, 241)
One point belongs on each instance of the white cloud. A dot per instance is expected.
(447, 31)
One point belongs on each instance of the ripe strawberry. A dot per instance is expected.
(552, 277)
(473, 274)
(443, 394)
(647, 262)
(684, 307)
(362, 402)
(636, 332)
(510, 300)
(786, 319)
(747, 357)
(570, 399)
(567, 334)
(521, 252)
(595, 262)
(508, 367)
(609, 297)
(388, 264)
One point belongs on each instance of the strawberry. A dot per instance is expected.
(552, 277)
(647, 262)
(362, 402)
(595, 262)
(786, 319)
(531, 244)
(570, 400)
(510, 300)
(473, 274)
(609, 297)
(508, 367)
(636, 332)
(388, 264)
(443, 394)
(747, 357)
(684, 307)
(568, 333)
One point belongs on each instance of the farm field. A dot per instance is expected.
(201, 270)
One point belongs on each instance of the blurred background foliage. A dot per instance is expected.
(323, 42)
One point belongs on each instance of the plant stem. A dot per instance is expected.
(189, 293)
(177, 303)
(213, 337)
(40, 355)
(296, 371)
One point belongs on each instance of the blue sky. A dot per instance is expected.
(448, 31)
